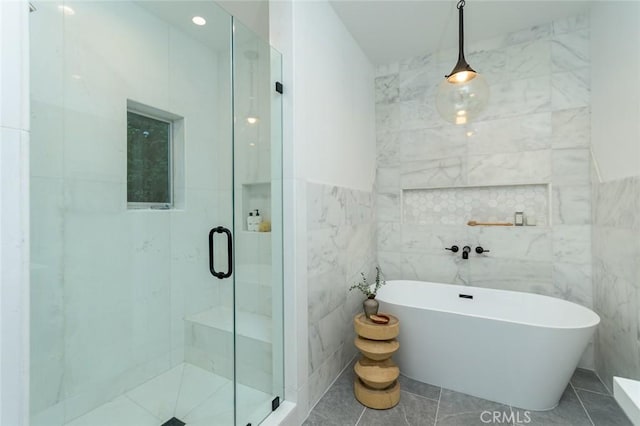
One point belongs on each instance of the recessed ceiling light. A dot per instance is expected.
(66, 10)
(199, 20)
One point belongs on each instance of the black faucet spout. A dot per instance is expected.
(465, 252)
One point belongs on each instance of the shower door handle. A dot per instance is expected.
(212, 269)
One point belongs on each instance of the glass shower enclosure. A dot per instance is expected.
(155, 297)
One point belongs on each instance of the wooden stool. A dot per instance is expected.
(376, 385)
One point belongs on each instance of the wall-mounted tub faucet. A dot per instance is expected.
(465, 252)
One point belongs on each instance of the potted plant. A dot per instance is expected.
(370, 304)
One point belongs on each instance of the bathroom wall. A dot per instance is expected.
(616, 190)
(14, 213)
(616, 278)
(329, 170)
(341, 244)
(535, 130)
(111, 286)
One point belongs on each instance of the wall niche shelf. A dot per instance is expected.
(458, 205)
(256, 195)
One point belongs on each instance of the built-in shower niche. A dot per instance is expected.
(255, 196)
(461, 204)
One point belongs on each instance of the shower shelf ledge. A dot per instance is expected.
(248, 324)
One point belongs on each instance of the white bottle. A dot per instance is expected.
(253, 221)
(256, 221)
(249, 221)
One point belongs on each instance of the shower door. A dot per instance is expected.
(146, 302)
(258, 252)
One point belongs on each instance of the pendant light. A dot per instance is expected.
(464, 93)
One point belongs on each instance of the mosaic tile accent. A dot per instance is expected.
(457, 206)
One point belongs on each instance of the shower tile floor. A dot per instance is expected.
(586, 401)
(189, 393)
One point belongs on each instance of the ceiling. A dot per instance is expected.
(390, 30)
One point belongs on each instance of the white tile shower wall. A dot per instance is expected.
(616, 278)
(111, 287)
(535, 130)
(341, 244)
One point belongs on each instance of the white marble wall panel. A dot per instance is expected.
(517, 243)
(536, 130)
(519, 167)
(571, 128)
(416, 83)
(509, 135)
(434, 143)
(571, 204)
(570, 24)
(570, 89)
(418, 114)
(529, 59)
(537, 32)
(388, 149)
(518, 97)
(341, 242)
(451, 171)
(492, 62)
(616, 278)
(570, 51)
(571, 166)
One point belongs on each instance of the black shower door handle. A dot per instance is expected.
(221, 230)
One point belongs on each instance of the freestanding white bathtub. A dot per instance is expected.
(514, 348)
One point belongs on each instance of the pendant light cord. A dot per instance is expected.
(460, 7)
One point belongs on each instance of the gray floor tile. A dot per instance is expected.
(458, 409)
(587, 379)
(419, 388)
(603, 409)
(316, 419)
(339, 406)
(412, 410)
(569, 412)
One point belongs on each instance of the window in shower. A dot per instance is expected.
(150, 148)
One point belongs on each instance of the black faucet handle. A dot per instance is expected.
(480, 250)
(452, 248)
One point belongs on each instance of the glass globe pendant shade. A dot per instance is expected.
(460, 103)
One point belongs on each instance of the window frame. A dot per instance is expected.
(151, 205)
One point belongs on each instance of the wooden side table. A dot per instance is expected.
(376, 385)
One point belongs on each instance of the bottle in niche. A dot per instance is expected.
(249, 221)
(518, 219)
(258, 220)
(253, 222)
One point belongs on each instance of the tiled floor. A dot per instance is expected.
(585, 402)
(191, 394)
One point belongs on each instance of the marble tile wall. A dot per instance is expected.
(616, 278)
(341, 243)
(535, 130)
